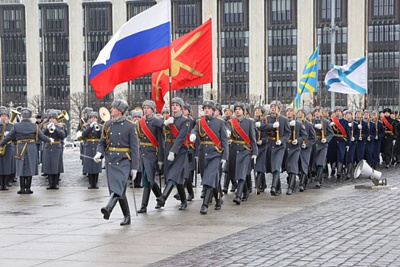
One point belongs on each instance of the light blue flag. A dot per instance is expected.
(309, 78)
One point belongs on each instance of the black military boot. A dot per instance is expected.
(246, 192)
(208, 194)
(90, 181)
(110, 206)
(258, 182)
(274, 186)
(239, 191)
(22, 181)
(234, 184)
(349, 171)
(123, 202)
(56, 178)
(182, 194)
(218, 199)
(51, 178)
(249, 183)
(292, 184)
(263, 184)
(189, 187)
(279, 187)
(339, 170)
(145, 200)
(319, 178)
(303, 178)
(137, 183)
(333, 168)
(28, 184)
(4, 179)
(2, 182)
(225, 178)
(95, 181)
(157, 192)
(161, 200)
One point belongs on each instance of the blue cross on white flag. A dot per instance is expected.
(348, 79)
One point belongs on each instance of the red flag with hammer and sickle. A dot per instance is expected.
(191, 63)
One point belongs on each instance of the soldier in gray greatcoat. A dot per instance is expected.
(324, 133)
(278, 131)
(151, 151)
(120, 146)
(7, 160)
(175, 152)
(306, 146)
(52, 163)
(25, 133)
(91, 131)
(261, 137)
(213, 153)
(243, 150)
(291, 162)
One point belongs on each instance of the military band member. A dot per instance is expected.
(92, 134)
(39, 143)
(341, 139)
(79, 137)
(136, 115)
(351, 151)
(278, 131)
(151, 151)
(261, 137)
(25, 133)
(213, 152)
(52, 152)
(120, 146)
(379, 135)
(7, 152)
(389, 140)
(297, 136)
(306, 146)
(324, 133)
(190, 164)
(243, 150)
(176, 149)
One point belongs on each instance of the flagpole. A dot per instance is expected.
(333, 36)
(211, 91)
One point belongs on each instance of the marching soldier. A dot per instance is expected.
(7, 152)
(79, 137)
(92, 134)
(379, 135)
(278, 131)
(243, 150)
(52, 152)
(389, 139)
(297, 136)
(39, 143)
(213, 153)
(306, 146)
(324, 133)
(354, 134)
(261, 137)
(120, 146)
(136, 115)
(368, 128)
(151, 151)
(176, 149)
(25, 133)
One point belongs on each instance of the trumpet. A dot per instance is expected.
(51, 127)
(63, 116)
(96, 127)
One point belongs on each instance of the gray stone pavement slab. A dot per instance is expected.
(337, 225)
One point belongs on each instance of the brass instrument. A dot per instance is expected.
(63, 116)
(51, 127)
(96, 127)
(14, 114)
(3, 148)
(104, 114)
(322, 129)
(277, 119)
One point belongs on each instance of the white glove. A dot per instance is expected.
(5, 133)
(350, 124)
(93, 124)
(278, 143)
(254, 158)
(171, 156)
(294, 142)
(192, 137)
(332, 124)
(303, 146)
(292, 123)
(276, 124)
(133, 174)
(97, 157)
(323, 140)
(352, 139)
(78, 134)
(51, 140)
(360, 138)
(160, 164)
(394, 142)
(223, 163)
(318, 126)
(169, 121)
(258, 124)
(259, 143)
(347, 148)
(228, 133)
(369, 138)
(229, 142)
(376, 137)
(50, 125)
(359, 127)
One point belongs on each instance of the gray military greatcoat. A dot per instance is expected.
(7, 161)
(25, 134)
(52, 162)
(291, 161)
(92, 139)
(305, 153)
(321, 149)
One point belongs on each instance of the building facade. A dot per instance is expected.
(259, 49)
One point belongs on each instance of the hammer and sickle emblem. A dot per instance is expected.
(176, 65)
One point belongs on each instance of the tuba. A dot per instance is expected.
(15, 114)
(63, 116)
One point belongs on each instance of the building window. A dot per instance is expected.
(235, 12)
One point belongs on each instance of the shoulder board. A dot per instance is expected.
(251, 119)
(130, 121)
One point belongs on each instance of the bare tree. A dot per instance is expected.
(77, 102)
(36, 103)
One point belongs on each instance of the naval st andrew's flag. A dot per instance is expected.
(140, 46)
(348, 79)
(309, 78)
(191, 63)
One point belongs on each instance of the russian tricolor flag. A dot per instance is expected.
(140, 46)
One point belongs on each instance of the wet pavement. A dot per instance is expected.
(337, 225)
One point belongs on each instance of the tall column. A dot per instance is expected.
(257, 44)
(33, 74)
(305, 41)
